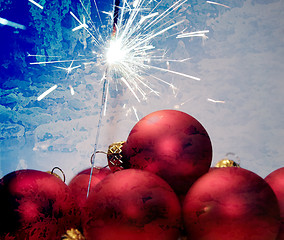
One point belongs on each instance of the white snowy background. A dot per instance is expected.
(241, 63)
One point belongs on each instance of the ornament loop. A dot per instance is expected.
(92, 157)
(63, 174)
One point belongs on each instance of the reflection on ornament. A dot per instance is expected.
(73, 234)
(227, 163)
(115, 157)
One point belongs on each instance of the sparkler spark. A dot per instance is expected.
(59, 61)
(135, 112)
(48, 91)
(37, 55)
(219, 4)
(82, 24)
(71, 90)
(70, 68)
(36, 4)
(215, 101)
(6, 22)
(194, 34)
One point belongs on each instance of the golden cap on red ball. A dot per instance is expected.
(115, 157)
(54, 174)
(227, 163)
(73, 234)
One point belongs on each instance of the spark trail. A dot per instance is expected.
(194, 34)
(6, 22)
(219, 4)
(215, 101)
(48, 91)
(36, 4)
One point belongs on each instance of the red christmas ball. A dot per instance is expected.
(276, 182)
(35, 205)
(231, 204)
(171, 144)
(79, 184)
(132, 204)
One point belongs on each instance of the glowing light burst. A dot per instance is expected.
(115, 53)
(128, 53)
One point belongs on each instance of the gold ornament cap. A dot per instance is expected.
(226, 163)
(73, 234)
(115, 157)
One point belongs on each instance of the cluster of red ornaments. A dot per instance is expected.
(168, 192)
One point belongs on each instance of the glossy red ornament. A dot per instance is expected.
(231, 204)
(132, 204)
(79, 184)
(171, 144)
(276, 182)
(35, 205)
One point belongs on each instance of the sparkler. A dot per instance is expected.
(130, 49)
(104, 91)
(129, 52)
